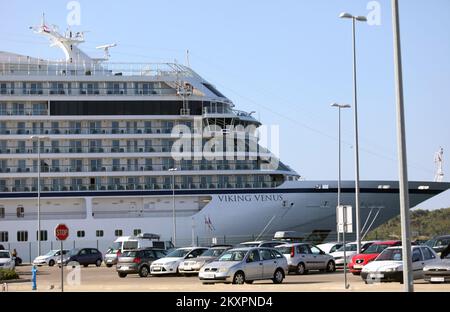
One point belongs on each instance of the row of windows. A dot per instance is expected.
(85, 88)
(22, 236)
(140, 183)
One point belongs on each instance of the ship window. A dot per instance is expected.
(3, 236)
(2, 212)
(22, 236)
(20, 212)
(118, 232)
(99, 233)
(137, 232)
(44, 235)
(81, 234)
(213, 90)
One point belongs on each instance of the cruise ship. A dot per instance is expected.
(121, 149)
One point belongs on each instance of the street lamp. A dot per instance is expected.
(39, 138)
(174, 225)
(339, 106)
(355, 104)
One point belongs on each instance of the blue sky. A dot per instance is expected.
(288, 60)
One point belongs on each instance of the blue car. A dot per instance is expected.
(84, 256)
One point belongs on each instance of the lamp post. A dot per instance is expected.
(174, 225)
(355, 104)
(39, 138)
(339, 106)
(402, 159)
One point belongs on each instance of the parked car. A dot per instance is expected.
(138, 261)
(193, 266)
(330, 247)
(438, 272)
(439, 243)
(388, 266)
(49, 258)
(6, 260)
(302, 257)
(83, 256)
(245, 265)
(350, 251)
(270, 244)
(368, 255)
(169, 264)
(111, 256)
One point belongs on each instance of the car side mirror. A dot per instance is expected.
(322, 252)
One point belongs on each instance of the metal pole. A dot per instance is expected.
(339, 166)
(39, 195)
(355, 103)
(173, 211)
(401, 145)
(62, 268)
(344, 227)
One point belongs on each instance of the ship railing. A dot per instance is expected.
(49, 187)
(61, 68)
(154, 166)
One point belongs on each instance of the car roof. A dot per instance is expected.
(389, 242)
(292, 244)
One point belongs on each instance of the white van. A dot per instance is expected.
(124, 243)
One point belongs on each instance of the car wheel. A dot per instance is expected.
(300, 269)
(109, 265)
(51, 263)
(98, 262)
(143, 271)
(239, 278)
(122, 275)
(331, 267)
(278, 276)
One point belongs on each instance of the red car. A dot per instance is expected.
(369, 255)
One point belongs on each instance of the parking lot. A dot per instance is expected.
(105, 279)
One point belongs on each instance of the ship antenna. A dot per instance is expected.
(187, 58)
(438, 160)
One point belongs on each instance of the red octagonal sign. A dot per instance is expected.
(61, 232)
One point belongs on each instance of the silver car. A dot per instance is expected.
(193, 266)
(245, 265)
(438, 272)
(302, 257)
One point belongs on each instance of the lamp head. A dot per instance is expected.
(345, 15)
(361, 18)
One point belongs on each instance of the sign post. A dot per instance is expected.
(345, 225)
(61, 234)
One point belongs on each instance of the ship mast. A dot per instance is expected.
(438, 160)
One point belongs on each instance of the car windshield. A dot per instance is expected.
(236, 255)
(213, 252)
(284, 250)
(394, 254)
(178, 253)
(348, 247)
(74, 252)
(376, 248)
(430, 243)
(51, 253)
(116, 246)
(4, 254)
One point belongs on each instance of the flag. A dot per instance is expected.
(209, 223)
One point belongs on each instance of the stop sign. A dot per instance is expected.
(61, 232)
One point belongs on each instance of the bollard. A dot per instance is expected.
(33, 277)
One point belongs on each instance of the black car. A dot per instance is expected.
(439, 243)
(138, 261)
(84, 256)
